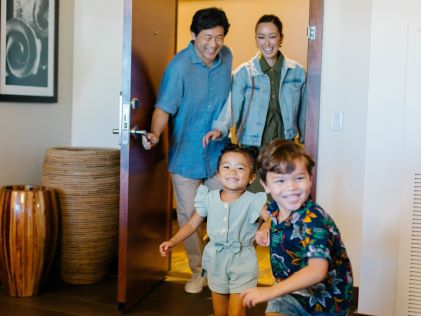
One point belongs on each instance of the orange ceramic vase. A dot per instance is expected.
(28, 237)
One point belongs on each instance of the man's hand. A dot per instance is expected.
(150, 140)
(212, 135)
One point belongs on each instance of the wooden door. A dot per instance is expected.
(314, 70)
(148, 45)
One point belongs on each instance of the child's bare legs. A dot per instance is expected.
(236, 305)
(220, 304)
(227, 304)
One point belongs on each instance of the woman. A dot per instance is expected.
(267, 95)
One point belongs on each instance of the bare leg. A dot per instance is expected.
(220, 304)
(236, 307)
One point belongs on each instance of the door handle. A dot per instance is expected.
(135, 131)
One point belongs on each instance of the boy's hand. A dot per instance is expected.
(254, 296)
(165, 248)
(150, 140)
(262, 235)
(213, 134)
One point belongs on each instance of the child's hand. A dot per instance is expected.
(262, 235)
(213, 134)
(254, 296)
(165, 248)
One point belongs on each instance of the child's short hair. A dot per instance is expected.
(250, 152)
(280, 157)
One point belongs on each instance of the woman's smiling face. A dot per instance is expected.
(268, 41)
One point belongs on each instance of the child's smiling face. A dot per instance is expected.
(235, 172)
(289, 190)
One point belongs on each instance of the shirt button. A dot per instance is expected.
(225, 219)
(226, 205)
(224, 230)
(273, 96)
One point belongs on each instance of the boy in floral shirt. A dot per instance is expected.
(309, 260)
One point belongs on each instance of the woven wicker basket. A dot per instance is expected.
(87, 181)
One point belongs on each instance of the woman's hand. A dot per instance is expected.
(212, 135)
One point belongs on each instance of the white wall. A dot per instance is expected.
(383, 196)
(28, 129)
(97, 72)
(360, 168)
(345, 71)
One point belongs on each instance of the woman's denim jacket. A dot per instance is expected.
(292, 95)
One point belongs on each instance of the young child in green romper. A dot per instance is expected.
(229, 258)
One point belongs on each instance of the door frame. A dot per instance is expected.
(314, 65)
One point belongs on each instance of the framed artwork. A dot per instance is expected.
(28, 50)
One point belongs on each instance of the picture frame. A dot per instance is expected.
(28, 50)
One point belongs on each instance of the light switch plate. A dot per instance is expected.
(336, 120)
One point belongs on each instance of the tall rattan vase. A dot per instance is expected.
(87, 181)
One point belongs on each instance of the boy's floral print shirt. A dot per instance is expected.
(310, 232)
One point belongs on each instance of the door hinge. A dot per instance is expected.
(311, 32)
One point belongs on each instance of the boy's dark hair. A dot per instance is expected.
(270, 18)
(280, 156)
(250, 152)
(209, 18)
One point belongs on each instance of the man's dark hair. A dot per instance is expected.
(209, 18)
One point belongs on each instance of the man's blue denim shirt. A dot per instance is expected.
(194, 94)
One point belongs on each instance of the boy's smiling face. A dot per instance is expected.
(289, 190)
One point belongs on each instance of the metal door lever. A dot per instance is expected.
(135, 131)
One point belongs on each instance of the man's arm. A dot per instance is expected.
(159, 122)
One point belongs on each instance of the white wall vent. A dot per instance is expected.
(414, 297)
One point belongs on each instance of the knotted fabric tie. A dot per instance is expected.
(234, 246)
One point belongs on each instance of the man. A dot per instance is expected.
(193, 90)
